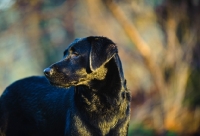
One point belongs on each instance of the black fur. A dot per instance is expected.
(92, 99)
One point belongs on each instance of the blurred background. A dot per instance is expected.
(158, 41)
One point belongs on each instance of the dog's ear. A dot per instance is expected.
(102, 50)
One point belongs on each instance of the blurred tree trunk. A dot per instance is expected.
(69, 19)
(179, 20)
(172, 75)
(31, 16)
(146, 53)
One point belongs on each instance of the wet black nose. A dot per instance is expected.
(48, 72)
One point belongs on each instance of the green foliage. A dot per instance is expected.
(193, 89)
(140, 130)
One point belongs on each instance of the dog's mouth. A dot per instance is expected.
(63, 85)
(62, 82)
(59, 85)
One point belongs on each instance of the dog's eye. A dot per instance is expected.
(74, 54)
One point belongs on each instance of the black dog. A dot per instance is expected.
(93, 99)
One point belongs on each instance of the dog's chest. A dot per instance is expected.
(82, 127)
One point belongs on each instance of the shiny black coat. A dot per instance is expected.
(84, 94)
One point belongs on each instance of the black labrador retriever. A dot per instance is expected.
(88, 97)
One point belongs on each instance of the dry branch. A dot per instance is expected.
(141, 45)
(146, 53)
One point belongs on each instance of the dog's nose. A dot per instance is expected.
(48, 72)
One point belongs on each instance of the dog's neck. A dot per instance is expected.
(113, 82)
(104, 98)
(111, 87)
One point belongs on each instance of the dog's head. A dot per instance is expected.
(84, 60)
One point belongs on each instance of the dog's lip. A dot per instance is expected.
(58, 85)
(62, 85)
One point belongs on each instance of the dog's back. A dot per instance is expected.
(48, 104)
